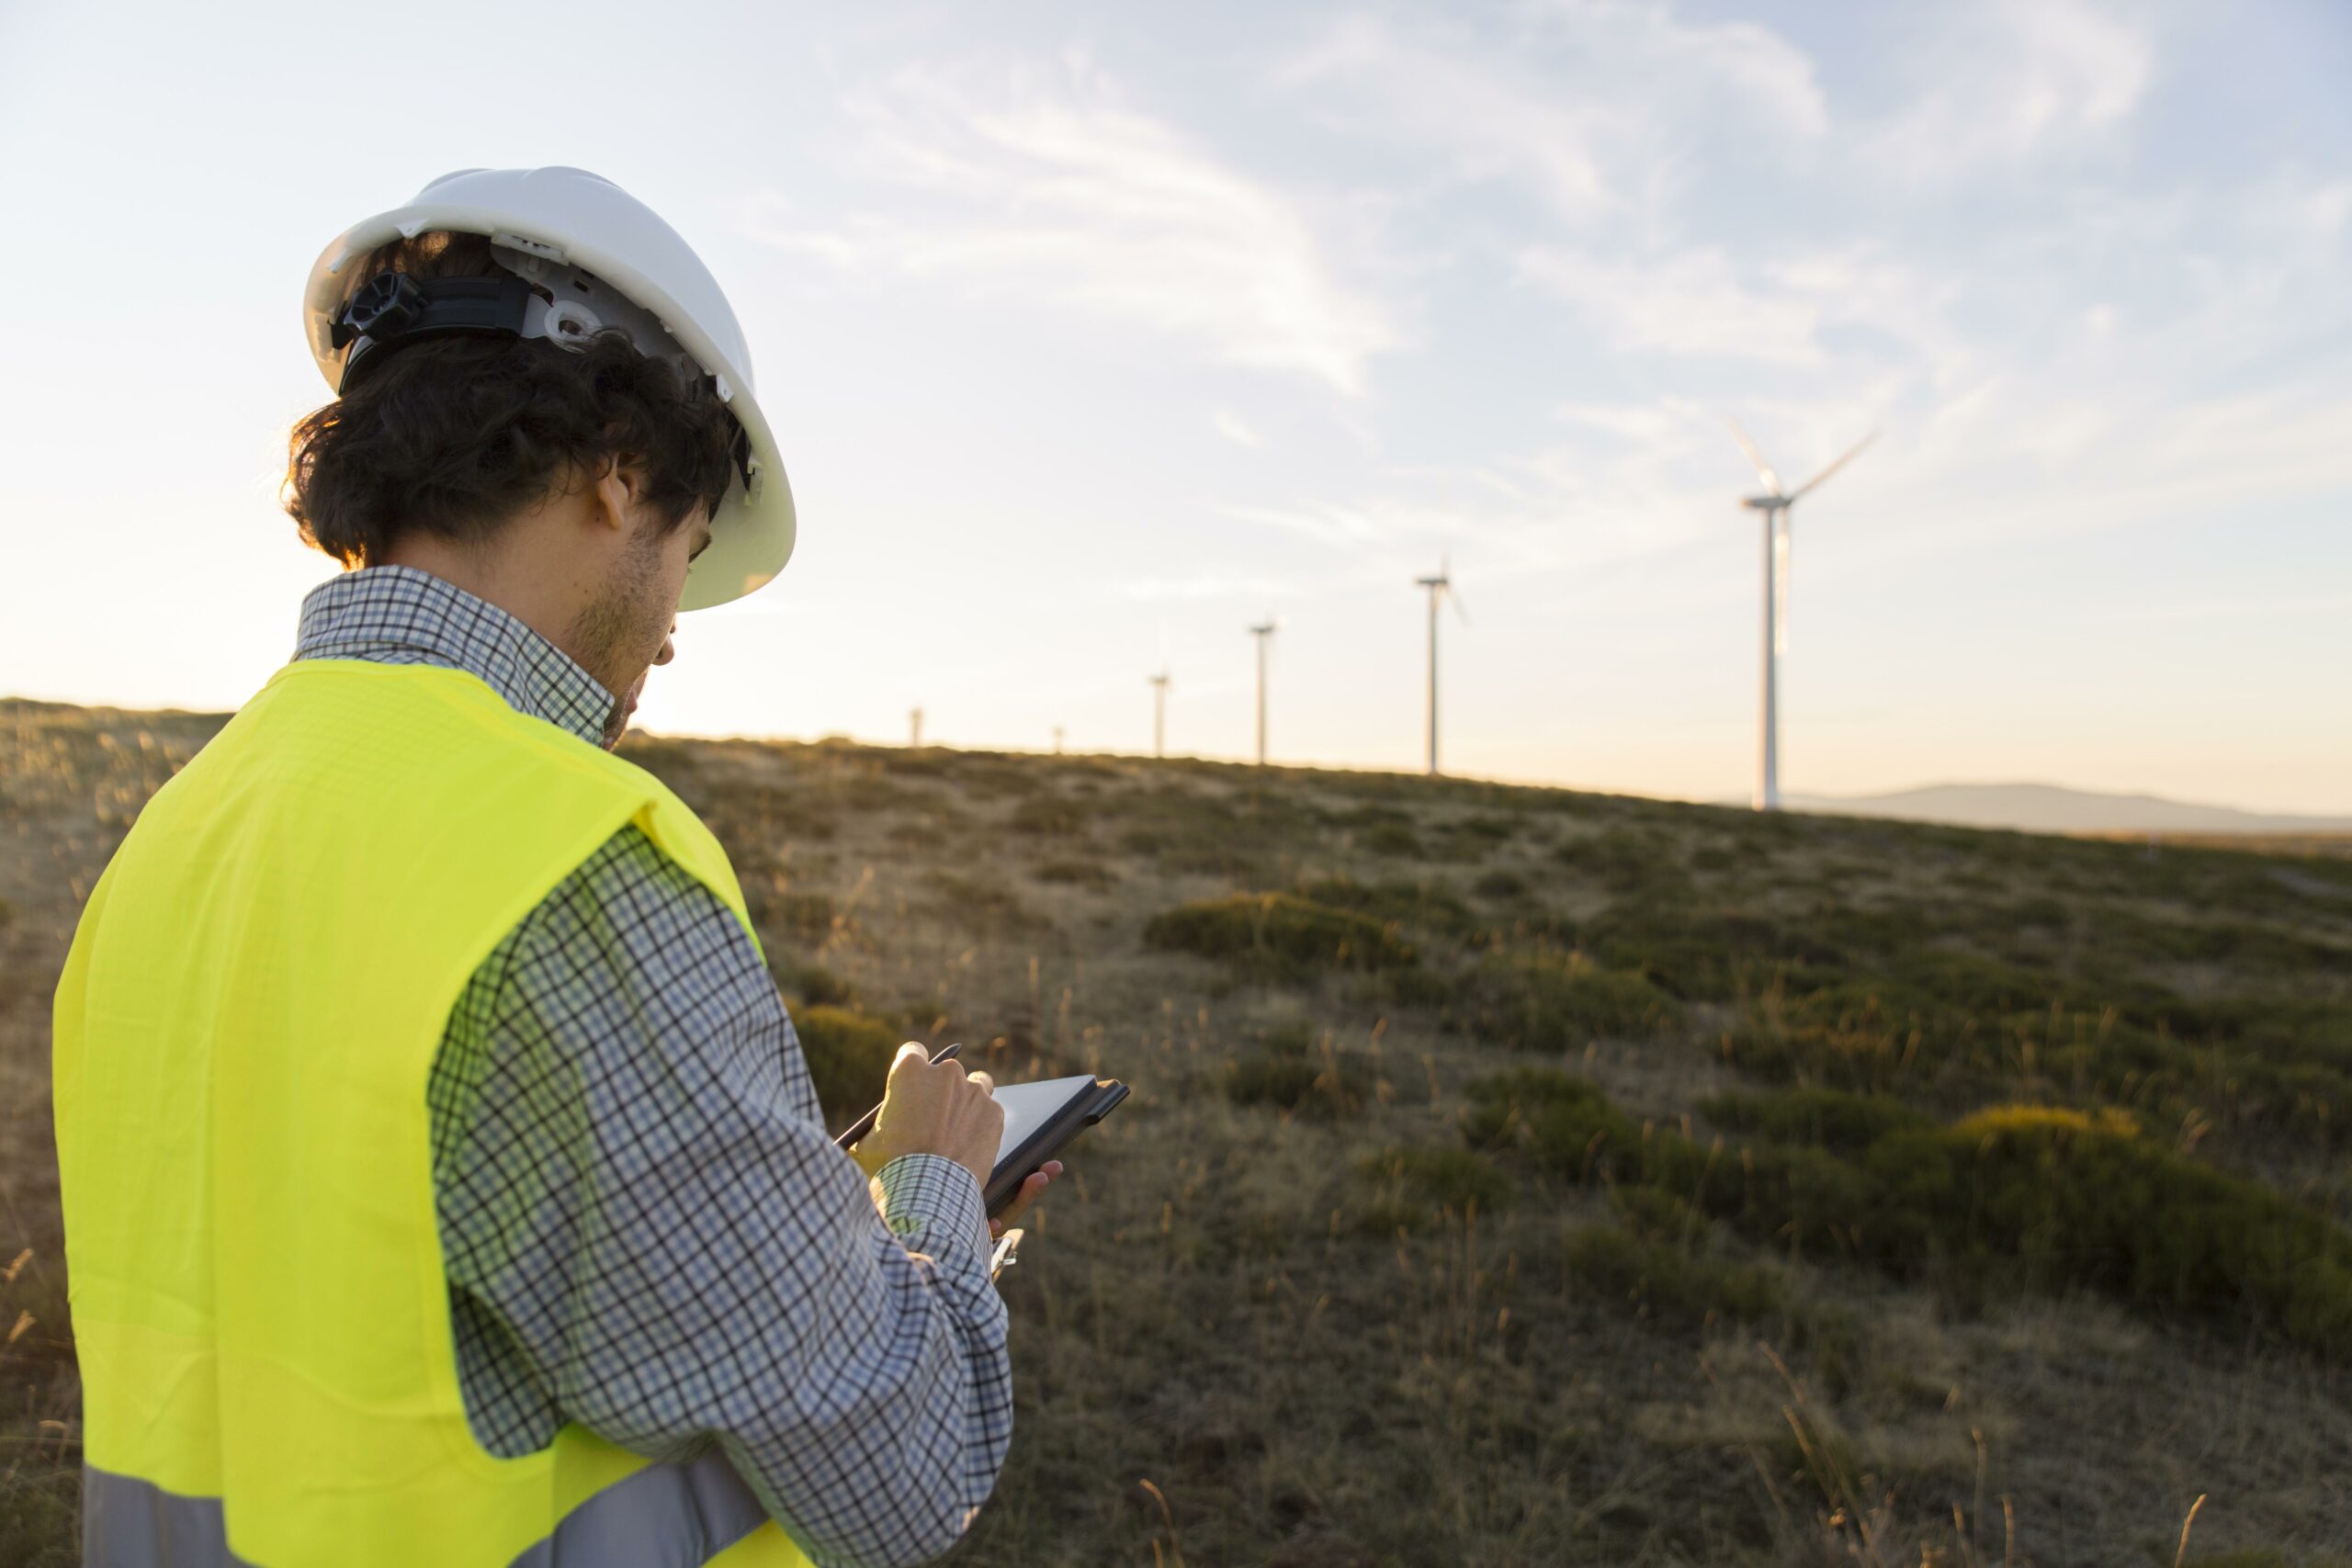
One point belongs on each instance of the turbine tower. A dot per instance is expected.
(1775, 504)
(1263, 632)
(1439, 587)
(914, 722)
(1159, 713)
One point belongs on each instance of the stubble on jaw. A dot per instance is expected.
(608, 633)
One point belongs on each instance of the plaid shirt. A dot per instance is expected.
(646, 1228)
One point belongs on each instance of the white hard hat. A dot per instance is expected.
(551, 225)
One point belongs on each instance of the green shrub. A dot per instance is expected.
(1637, 865)
(1048, 815)
(1668, 1283)
(1392, 839)
(38, 1508)
(2066, 1200)
(1284, 1081)
(1413, 987)
(1559, 1002)
(1841, 1123)
(849, 1057)
(1654, 1211)
(1621, 859)
(1501, 885)
(1502, 1103)
(1391, 1212)
(1970, 1028)
(1082, 873)
(2014, 1196)
(1455, 1178)
(1289, 1071)
(1712, 955)
(1280, 934)
(1420, 905)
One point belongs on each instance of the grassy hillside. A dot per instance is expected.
(1515, 1175)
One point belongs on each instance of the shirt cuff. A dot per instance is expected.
(932, 1193)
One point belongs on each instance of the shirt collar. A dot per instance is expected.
(394, 614)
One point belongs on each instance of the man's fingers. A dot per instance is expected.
(986, 1080)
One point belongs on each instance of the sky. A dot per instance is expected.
(1092, 334)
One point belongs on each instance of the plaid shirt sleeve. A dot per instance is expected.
(648, 1231)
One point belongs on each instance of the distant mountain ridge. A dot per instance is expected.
(2054, 808)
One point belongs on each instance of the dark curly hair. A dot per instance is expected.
(452, 435)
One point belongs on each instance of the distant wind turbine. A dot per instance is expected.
(1439, 587)
(1263, 632)
(1775, 504)
(1159, 713)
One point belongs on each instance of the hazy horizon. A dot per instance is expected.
(1089, 338)
(2324, 821)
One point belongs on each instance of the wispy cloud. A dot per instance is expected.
(1235, 429)
(2015, 80)
(1686, 302)
(1701, 301)
(1591, 105)
(1212, 585)
(1048, 185)
(1323, 521)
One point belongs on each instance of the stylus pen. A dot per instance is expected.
(865, 1123)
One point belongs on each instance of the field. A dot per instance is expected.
(1514, 1175)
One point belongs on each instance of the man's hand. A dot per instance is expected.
(931, 1108)
(1032, 1186)
(872, 1152)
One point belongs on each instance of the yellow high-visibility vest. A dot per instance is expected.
(244, 1028)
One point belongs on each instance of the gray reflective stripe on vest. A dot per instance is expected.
(130, 1523)
(666, 1515)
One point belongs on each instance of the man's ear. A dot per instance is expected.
(620, 490)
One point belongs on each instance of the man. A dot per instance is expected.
(443, 1180)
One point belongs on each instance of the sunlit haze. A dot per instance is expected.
(1091, 337)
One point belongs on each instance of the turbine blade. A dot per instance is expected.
(1763, 469)
(1850, 452)
(1454, 598)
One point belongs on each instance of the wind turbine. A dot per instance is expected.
(1159, 713)
(914, 721)
(1263, 631)
(1439, 587)
(1775, 504)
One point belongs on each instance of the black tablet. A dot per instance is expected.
(1039, 1119)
